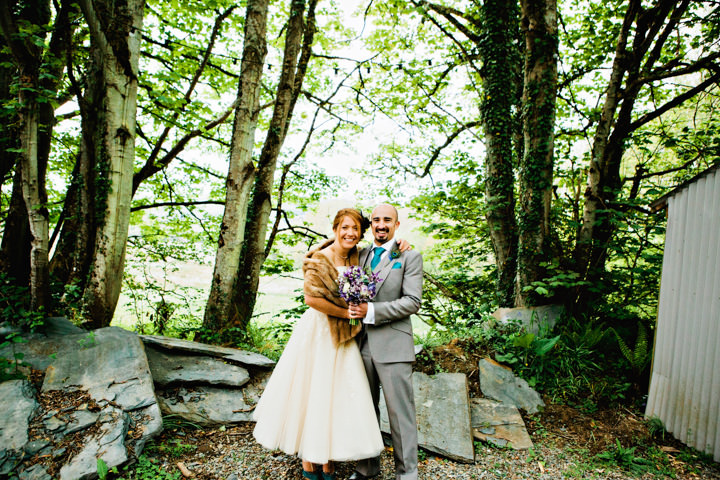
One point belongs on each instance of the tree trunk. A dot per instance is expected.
(254, 247)
(16, 240)
(8, 118)
(15, 249)
(28, 58)
(70, 263)
(595, 182)
(539, 21)
(115, 32)
(604, 181)
(241, 173)
(500, 57)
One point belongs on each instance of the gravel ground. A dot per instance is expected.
(232, 454)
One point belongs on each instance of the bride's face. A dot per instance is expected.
(347, 233)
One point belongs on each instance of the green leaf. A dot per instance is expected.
(524, 341)
(544, 345)
(102, 469)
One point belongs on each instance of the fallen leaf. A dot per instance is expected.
(185, 471)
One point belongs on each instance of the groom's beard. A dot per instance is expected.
(382, 241)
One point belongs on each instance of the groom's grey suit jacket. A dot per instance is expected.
(398, 296)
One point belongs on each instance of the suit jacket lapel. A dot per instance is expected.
(383, 268)
(364, 254)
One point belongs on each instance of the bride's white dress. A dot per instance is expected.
(317, 403)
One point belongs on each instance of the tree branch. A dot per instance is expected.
(149, 163)
(175, 204)
(448, 141)
(150, 169)
(648, 117)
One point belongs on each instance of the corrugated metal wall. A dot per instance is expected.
(685, 382)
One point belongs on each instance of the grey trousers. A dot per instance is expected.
(396, 381)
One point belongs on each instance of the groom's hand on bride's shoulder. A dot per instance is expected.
(403, 245)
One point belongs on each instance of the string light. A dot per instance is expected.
(399, 66)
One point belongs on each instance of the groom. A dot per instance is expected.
(386, 342)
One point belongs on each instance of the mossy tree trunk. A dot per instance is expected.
(37, 71)
(500, 55)
(539, 23)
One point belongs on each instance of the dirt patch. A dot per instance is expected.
(458, 356)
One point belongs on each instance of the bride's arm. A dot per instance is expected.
(326, 307)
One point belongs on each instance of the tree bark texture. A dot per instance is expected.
(241, 173)
(254, 247)
(8, 119)
(115, 32)
(501, 62)
(593, 193)
(539, 22)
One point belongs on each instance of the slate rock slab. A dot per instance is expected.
(55, 326)
(82, 419)
(18, 405)
(168, 368)
(499, 383)
(108, 444)
(499, 424)
(206, 405)
(243, 357)
(443, 415)
(36, 472)
(40, 350)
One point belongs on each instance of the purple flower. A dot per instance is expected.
(356, 285)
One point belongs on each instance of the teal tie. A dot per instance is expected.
(376, 259)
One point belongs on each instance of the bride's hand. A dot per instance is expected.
(403, 245)
(358, 310)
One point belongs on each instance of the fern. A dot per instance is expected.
(639, 356)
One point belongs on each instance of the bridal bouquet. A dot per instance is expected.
(357, 285)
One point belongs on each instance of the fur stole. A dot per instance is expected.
(321, 281)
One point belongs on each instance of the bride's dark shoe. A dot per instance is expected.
(310, 475)
(328, 476)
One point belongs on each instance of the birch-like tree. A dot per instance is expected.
(241, 170)
(108, 109)
(245, 224)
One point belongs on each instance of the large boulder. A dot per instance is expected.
(213, 405)
(97, 401)
(171, 368)
(535, 319)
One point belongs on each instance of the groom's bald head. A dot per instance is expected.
(384, 207)
(384, 221)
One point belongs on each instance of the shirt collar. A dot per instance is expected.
(387, 246)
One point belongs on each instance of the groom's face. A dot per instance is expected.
(384, 222)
